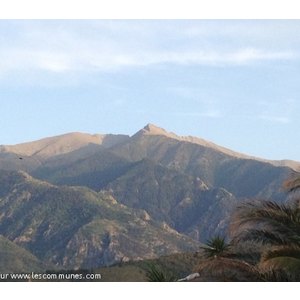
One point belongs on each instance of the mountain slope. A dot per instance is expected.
(75, 227)
(98, 199)
(95, 171)
(30, 156)
(182, 201)
(49, 147)
(15, 259)
(152, 130)
(216, 166)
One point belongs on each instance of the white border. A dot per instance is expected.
(146, 9)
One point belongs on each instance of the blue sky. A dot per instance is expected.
(233, 82)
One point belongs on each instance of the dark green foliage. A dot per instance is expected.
(157, 274)
(279, 275)
(216, 246)
(275, 225)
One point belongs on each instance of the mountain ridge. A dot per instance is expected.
(61, 144)
(69, 142)
(155, 130)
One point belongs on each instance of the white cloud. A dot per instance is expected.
(280, 111)
(101, 46)
(276, 119)
(247, 55)
(234, 57)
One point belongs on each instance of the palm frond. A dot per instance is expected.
(253, 211)
(293, 184)
(266, 236)
(278, 275)
(283, 257)
(276, 227)
(226, 269)
(269, 216)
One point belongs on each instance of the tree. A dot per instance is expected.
(221, 263)
(275, 226)
(216, 247)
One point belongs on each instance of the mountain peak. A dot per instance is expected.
(154, 129)
(151, 129)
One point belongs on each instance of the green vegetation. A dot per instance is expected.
(216, 247)
(168, 268)
(156, 274)
(75, 227)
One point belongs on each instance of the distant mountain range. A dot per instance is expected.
(86, 201)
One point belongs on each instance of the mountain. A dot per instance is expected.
(75, 227)
(62, 144)
(82, 201)
(184, 202)
(215, 167)
(15, 259)
(31, 155)
(96, 165)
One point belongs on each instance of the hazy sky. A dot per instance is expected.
(233, 82)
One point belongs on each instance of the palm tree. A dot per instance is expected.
(221, 262)
(271, 227)
(277, 226)
(216, 246)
